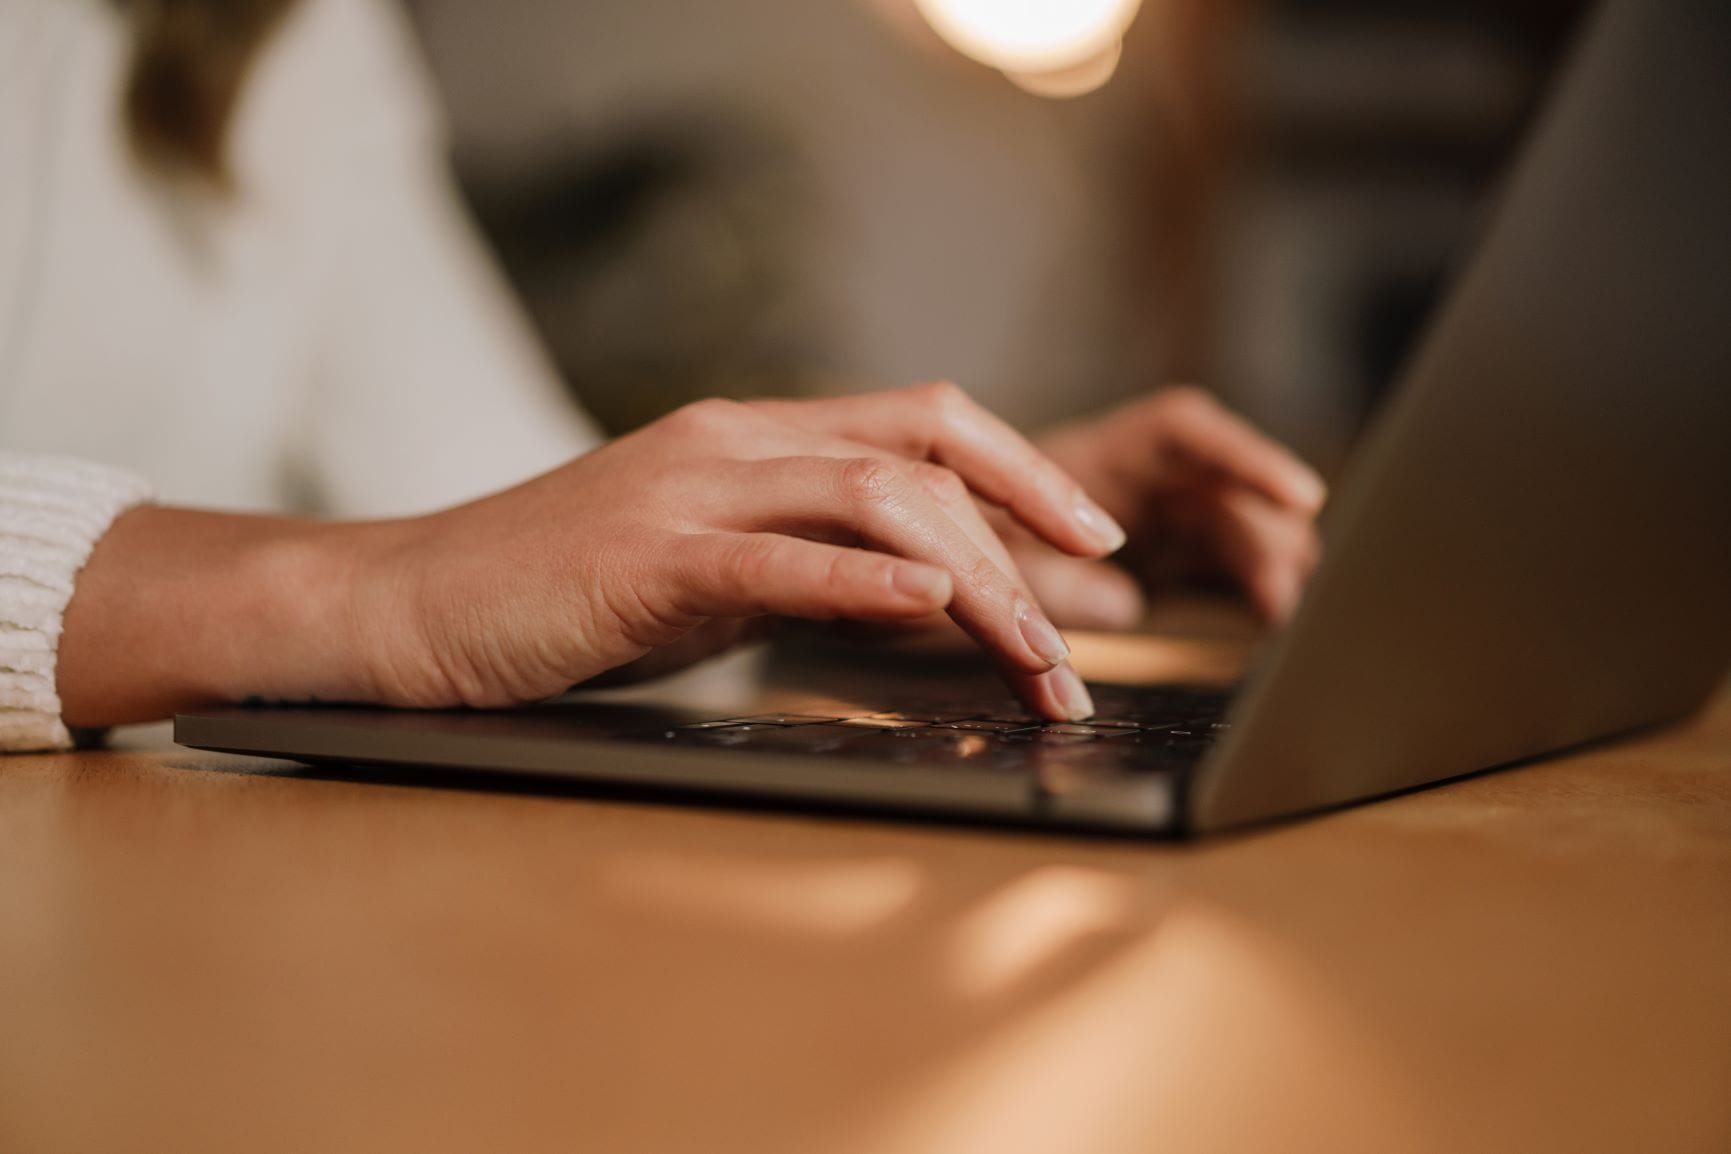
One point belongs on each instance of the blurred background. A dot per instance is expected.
(1056, 203)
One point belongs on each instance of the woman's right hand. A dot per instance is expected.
(859, 508)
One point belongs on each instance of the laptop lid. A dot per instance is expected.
(1533, 548)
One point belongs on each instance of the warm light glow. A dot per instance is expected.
(1031, 36)
(1195, 1032)
(833, 898)
(1077, 80)
(1031, 922)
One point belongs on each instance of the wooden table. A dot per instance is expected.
(202, 953)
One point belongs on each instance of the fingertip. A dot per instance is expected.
(1103, 533)
(1058, 695)
(1307, 490)
(1074, 701)
(1290, 486)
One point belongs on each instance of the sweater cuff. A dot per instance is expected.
(53, 510)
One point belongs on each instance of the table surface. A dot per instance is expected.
(207, 953)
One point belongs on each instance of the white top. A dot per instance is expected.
(334, 338)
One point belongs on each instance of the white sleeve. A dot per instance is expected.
(53, 510)
(429, 387)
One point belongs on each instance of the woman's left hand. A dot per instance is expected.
(1201, 492)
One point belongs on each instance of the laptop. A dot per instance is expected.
(1532, 551)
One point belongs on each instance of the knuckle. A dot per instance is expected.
(943, 398)
(672, 588)
(869, 481)
(836, 574)
(1186, 399)
(754, 560)
(942, 392)
(981, 575)
(706, 416)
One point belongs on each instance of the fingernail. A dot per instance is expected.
(921, 582)
(1072, 695)
(1042, 636)
(1099, 524)
(1312, 489)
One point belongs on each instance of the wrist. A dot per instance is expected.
(179, 609)
(328, 601)
(370, 589)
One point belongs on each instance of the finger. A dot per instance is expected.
(942, 424)
(1059, 693)
(1080, 594)
(1269, 550)
(952, 496)
(992, 604)
(1055, 694)
(1194, 424)
(948, 487)
(889, 511)
(755, 574)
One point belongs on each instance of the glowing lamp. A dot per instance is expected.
(1054, 47)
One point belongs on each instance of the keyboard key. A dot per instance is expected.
(926, 718)
(1078, 729)
(883, 723)
(791, 719)
(986, 726)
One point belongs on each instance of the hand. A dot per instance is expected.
(1202, 493)
(860, 508)
(661, 546)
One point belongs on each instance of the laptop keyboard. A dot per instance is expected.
(1150, 728)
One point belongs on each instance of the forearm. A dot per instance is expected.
(177, 609)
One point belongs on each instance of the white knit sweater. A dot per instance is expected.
(52, 512)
